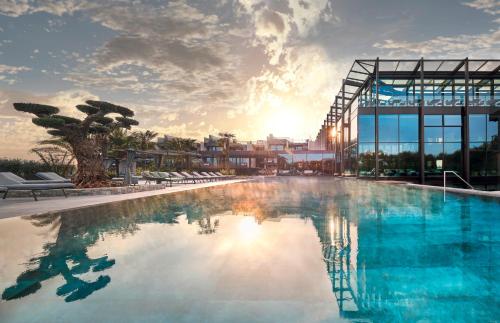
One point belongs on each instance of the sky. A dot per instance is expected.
(193, 68)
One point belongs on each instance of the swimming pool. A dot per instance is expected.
(268, 250)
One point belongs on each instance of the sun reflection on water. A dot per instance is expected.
(249, 229)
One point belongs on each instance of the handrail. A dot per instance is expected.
(454, 173)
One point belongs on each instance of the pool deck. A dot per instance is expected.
(24, 206)
(457, 190)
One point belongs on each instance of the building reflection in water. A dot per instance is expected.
(387, 251)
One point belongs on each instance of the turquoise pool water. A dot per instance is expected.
(274, 250)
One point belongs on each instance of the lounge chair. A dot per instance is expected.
(15, 178)
(208, 177)
(196, 175)
(220, 174)
(186, 177)
(10, 183)
(157, 177)
(171, 179)
(52, 176)
(213, 174)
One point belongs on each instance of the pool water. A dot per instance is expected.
(267, 250)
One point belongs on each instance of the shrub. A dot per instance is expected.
(24, 168)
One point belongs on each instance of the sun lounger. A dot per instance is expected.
(221, 177)
(208, 177)
(186, 176)
(10, 183)
(220, 174)
(18, 179)
(52, 176)
(196, 175)
(171, 179)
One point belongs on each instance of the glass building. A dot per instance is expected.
(415, 119)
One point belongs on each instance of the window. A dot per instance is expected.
(453, 156)
(433, 120)
(484, 145)
(477, 127)
(408, 128)
(388, 128)
(433, 134)
(366, 159)
(452, 120)
(452, 134)
(366, 128)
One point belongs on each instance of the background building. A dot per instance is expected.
(414, 119)
(265, 156)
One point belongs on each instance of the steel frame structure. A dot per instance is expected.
(336, 125)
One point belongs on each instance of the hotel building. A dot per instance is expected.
(414, 119)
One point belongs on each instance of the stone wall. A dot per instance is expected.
(90, 191)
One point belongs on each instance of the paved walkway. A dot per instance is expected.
(458, 190)
(27, 206)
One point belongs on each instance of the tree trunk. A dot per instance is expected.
(90, 171)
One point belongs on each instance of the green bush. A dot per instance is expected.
(24, 168)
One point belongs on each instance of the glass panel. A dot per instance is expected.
(452, 134)
(388, 159)
(367, 128)
(408, 159)
(477, 127)
(354, 130)
(433, 158)
(408, 127)
(493, 162)
(452, 156)
(433, 134)
(477, 153)
(492, 129)
(433, 120)
(366, 162)
(452, 120)
(388, 128)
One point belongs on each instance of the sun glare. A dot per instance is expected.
(249, 229)
(283, 122)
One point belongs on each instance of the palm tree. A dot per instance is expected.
(179, 145)
(144, 140)
(57, 153)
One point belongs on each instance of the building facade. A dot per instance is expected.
(415, 119)
(265, 156)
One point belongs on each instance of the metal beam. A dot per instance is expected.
(421, 146)
(465, 127)
(377, 90)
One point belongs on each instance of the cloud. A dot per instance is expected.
(16, 8)
(463, 45)
(7, 72)
(192, 64)
(487, 44)
(7, 69)
(491, 7)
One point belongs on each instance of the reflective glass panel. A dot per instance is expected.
(492, 130)
(452, 120)
(366, 128)
(452, 156)
(388, 128)
(408, 127)
(433, 134)
(452, 134)
(477, 127)
(433, 120)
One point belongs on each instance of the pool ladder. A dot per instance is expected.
(444, 182)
